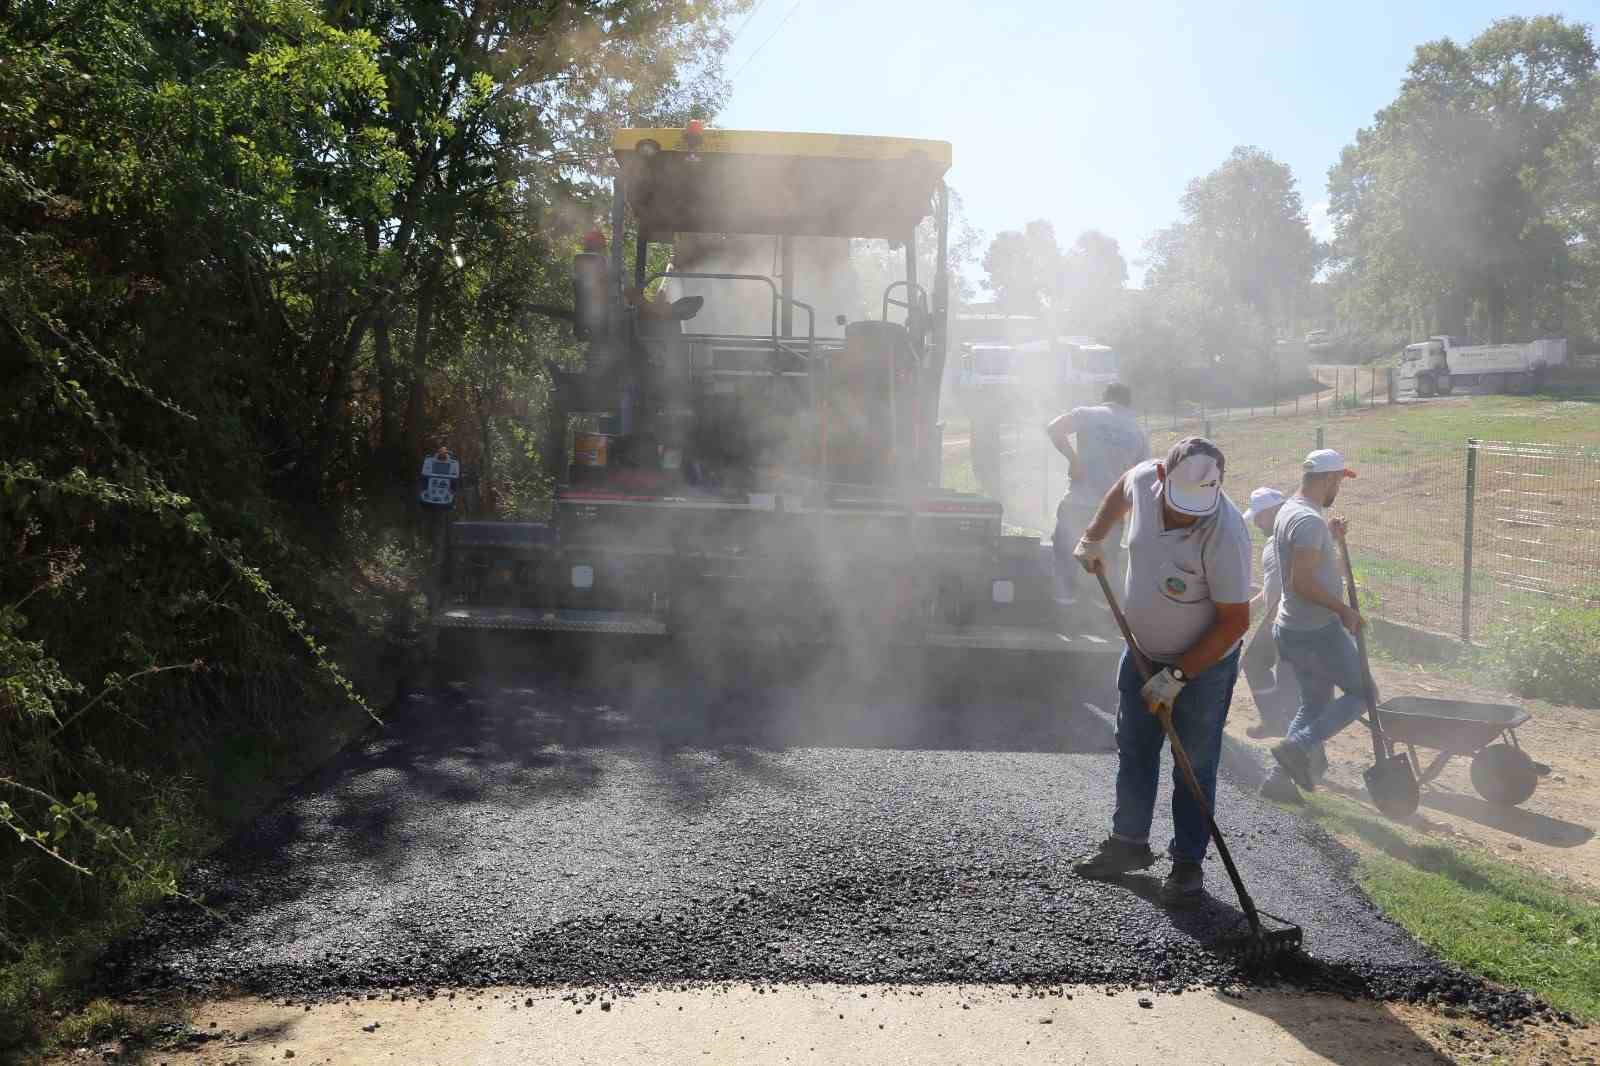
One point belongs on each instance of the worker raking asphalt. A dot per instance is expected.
(543, 830)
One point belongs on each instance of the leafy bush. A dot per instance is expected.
(1553, 654)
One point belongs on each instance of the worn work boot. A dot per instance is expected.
(1266, 730)
(1296, 763)
(1115, 858)
(1278, 786)
(1319, 763)
(1185, 883)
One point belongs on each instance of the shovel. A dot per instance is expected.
(1391, 781)
(1259, 946)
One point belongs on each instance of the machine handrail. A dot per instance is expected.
(777, 298)
(893, 285)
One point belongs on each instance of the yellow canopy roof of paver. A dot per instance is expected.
(805, 184)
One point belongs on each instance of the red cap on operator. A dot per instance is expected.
(594, 241)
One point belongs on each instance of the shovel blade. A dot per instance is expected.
(1393, 787)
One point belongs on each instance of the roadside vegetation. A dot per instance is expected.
(1552, 654)
(1484, 915)
(259, 258)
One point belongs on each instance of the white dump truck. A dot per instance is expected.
(1439, 364)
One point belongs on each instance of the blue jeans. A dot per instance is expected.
(1323, 658)
(1199, 716)
(1273, 685)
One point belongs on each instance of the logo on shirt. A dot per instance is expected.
(1176, 586)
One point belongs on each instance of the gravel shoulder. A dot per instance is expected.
(829, 1024)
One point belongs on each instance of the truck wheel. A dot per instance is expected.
(1444, 384)
(1424, 384)
(1504, 775)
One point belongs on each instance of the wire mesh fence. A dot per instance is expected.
(1448, 533)
(1532, 529)
(1342, 389)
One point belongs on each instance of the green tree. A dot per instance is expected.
(1093, 276)
(244, 242)
(1219, 284)
(877, 263)
(1572, 197)
(1024, 268)
(1243, 238)
(1444, 209)
(499, 108)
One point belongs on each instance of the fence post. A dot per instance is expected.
(1319, 438)
(1466, 540)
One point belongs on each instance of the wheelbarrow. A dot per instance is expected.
(1502, 772)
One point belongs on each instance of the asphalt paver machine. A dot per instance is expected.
(778, 484)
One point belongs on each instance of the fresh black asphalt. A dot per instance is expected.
(537, 826)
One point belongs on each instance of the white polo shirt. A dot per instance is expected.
(1110, 442)
(1176, 577)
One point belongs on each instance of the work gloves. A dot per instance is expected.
(1161, 692)
(1090, 556)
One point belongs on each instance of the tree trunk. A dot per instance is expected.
(383, 359)
(388, 398)
(421, 343)
(333, 400)
(1450, 310)
(485, 460)
(1494, 301)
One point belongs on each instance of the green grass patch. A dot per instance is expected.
(1487, 916)
(1444, 580)
(98, 1021)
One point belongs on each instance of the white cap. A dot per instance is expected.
(1263, 499)
(1326, 461)
(1193, 481)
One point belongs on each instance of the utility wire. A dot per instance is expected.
(786, 17)
(746, 23)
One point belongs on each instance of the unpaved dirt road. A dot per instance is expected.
(827, 1024)
(537, 829)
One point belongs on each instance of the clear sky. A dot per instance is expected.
(1094, 114)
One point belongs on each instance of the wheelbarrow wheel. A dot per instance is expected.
(1504, 775)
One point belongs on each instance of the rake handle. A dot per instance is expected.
(1181, 757)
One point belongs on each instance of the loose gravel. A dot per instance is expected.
(547, 829)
